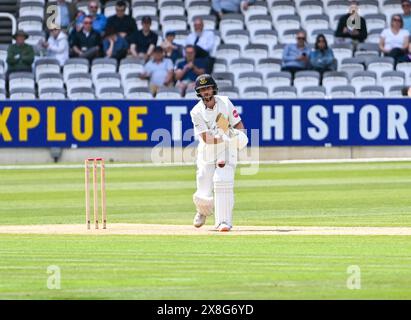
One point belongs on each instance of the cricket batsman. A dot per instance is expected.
(219, 129)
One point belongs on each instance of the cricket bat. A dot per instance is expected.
(222, 123)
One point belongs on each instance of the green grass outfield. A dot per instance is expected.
(211, 267)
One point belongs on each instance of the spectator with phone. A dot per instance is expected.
(351, 28)
(296, 55)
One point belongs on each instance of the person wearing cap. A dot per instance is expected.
(142, 42)
(172, 50)
(57, 46)
(20, 56)
(124, 24)
(188, 70)
(158, 70)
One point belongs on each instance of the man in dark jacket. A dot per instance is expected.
(86, 42)
(143, 41)
(124, 24)
(20, 56)
(351, 28)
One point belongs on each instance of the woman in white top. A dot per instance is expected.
(57, 46)
(394, 40)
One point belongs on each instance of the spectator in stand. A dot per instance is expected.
(86, 42)
(220, 7)
(351, 28)
(158, 70)
(188, 70)
(124, 24)
(203, 41)
(406, 16)
(77, 25)
(322, 57)
(295, 55)
(172, 50)
(114, 46)
(143, 42)
(66, 13)
(20, 55)
(394, 41)
(57, 46)
(99, 19)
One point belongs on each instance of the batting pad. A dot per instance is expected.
(204, 205)
(224, 195)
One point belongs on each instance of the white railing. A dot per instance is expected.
(13, 21)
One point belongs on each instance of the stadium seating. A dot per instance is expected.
(395, 92)
(247, 80)
(2, 67)
(346, 91)
(277, 79)
(361, 79)
(406, 68)
(110, 93)
(239, 37)
(372, 92)
(139, 93)
(257, 92)
(224, 79)
(248, 52)
(2, 94)
(132, 80)
(306, 78)
(75, 65)
(168, 93)
(313, 92)
(332, 79)
(81, 94)
(284, 92)
(198, 8)
(268, 65)
(52, 94)
(232, 92)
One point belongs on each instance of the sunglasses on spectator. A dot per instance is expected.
(396, 19)
(87, 22)
(300, 38)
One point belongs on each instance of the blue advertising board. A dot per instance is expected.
(127, 123)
